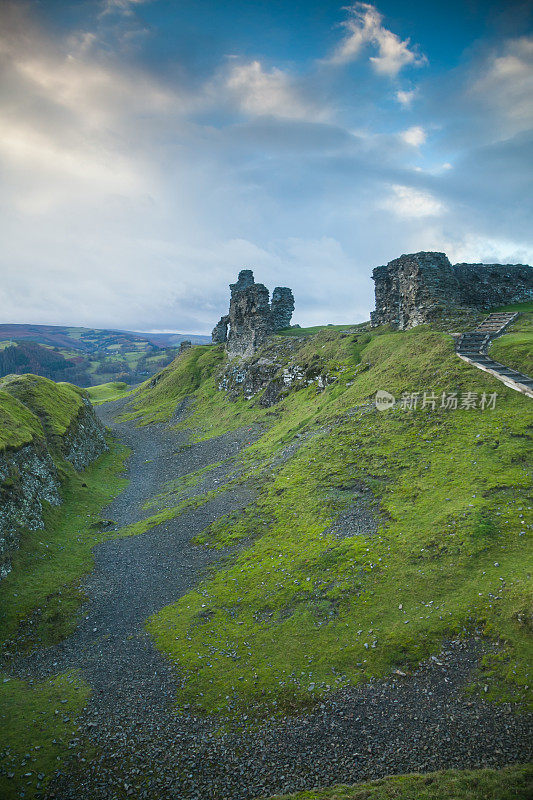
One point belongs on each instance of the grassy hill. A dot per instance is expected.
(55, 405)
(86, 356)
(308, 605)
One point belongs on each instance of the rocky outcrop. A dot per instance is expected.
(422, 287)
(275, 372)
(252, 318)
(28, 478)
(32, 467)
(282, 307)
(220, 331)
(84, 440)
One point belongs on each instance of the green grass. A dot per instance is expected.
(177, 490)
(55, 404)
(331, 352)
(525, 308)
(511, 783)
(157, 400)
(316, 329)
(37, 720)
(18, 425)
(514, 350)
(515, 347)
(300, 612)
(40, 597)
(106, 392)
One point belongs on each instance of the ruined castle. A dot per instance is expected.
(423, 287)
(410, 290)
(252, 318)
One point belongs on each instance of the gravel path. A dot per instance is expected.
(145, 749)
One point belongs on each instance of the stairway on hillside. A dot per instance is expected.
(473, 346)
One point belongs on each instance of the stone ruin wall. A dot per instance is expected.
(252, 318)
(421, 287)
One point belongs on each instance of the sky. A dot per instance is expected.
(150, 149)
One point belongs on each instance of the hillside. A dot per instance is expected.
(86, 356)
(47, 432)
(430, 555)
(301, 558)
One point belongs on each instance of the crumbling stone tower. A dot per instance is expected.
(251, 318)
(282, 307)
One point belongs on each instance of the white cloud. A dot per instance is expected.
(365, 27)
(261, 92)
(503, 84)
(414, 136)
(405, 97)
(120, 6)
(408, 202)
(95, 92)
(474, 249)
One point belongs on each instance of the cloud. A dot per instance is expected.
(67, 74)
(405, 97)
(414, 136)
(409, 202)
(365, 27)
(503, 84)
(133, 190)
(472, 248)
(125, 7)
(261, 92)
(72, 120)
(487, 99)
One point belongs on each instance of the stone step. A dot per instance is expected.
(517, 380)
(471, 346)
(477, 341)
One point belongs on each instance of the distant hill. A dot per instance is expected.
(91, 339)
(87, 356)
(22, 357)
(171, 339)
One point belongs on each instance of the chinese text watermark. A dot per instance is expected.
(432, 401)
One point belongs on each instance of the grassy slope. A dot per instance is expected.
(512, 783)
(105, 392)
(300, 611)
(18, 424)
(55, 404)
(48, 562)
(157, 400)
(297, 332)
(515, 348)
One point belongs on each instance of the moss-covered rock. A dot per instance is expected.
(45, 429)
